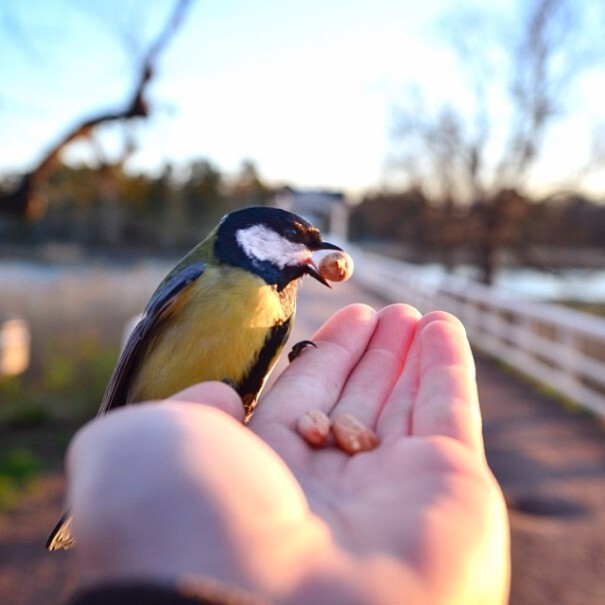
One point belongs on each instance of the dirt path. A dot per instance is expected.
(550, 463)
(28, 574)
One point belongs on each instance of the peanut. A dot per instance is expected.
(352, 436)
(314, 427)
(336, 266)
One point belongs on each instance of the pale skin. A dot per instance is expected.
(177, 490)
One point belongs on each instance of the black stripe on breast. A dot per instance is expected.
(250, 386)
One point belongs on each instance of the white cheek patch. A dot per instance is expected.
(262, 243)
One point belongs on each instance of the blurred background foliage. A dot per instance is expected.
(112, 209)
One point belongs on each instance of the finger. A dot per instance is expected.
(373, 378)
(215, 394)
(315, 380)
(447, 403)
(395, 416)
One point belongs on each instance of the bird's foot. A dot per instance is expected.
(298, 348)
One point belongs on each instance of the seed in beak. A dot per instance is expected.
(336, 266)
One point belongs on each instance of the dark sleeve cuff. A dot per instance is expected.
(148, 593)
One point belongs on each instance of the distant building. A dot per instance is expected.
(328, 210)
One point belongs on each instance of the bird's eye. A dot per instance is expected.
(291, 233)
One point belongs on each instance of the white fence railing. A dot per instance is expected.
(559, 347)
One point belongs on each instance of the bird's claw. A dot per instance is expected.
(298, 348)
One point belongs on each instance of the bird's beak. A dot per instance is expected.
(311, 268)
(328, 246)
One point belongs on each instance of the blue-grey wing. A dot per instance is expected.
(159, 306)
(119, 384)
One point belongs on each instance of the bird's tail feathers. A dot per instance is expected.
(61, 536)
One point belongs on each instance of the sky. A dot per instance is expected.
(306, 90)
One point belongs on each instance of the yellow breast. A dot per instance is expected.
(214, 331)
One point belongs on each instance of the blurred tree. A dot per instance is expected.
(390, 216)
(247, 189)
(203, 195)
(517, 87)
(26, 197)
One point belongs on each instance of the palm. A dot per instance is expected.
(426, 486)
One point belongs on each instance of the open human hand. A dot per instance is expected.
(419, 519)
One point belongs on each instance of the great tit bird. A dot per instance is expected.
(223, 313)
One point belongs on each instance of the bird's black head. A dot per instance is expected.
(272, 243)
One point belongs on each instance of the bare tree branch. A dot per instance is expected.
(26, 199)
(460, 158)
(536, 89)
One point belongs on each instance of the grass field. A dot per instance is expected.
(76, 317)
(596, 308)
